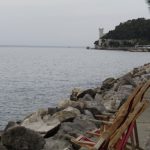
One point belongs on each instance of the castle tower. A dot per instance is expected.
(101, 34)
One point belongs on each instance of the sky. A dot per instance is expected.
(63, 22)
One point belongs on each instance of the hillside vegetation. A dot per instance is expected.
(136, 29)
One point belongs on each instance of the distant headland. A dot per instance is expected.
(132, 35)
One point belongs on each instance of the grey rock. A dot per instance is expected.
(42, 122)
(20, 138)
(52, 110)
(78, 94)
(125, 80)
(135, 71)
(74, 94)
(45, 128)
(57, 144)
(98, 98)
(147, 70)
(10, 125)
(88, 113)
(79, 126)
(108, 83)
(146, 77)
(113, 100)
(95, 107)
(66, 115)
(87, 97)
(140, 73)
(76, 104)
(90, 92)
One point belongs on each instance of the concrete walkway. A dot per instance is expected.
(143, 123)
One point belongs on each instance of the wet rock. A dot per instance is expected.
(67, 114)
(108, 83)
(20, 138)
(76, 104)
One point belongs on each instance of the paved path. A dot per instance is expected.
(143, 123)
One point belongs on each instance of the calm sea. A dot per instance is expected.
(32, 78)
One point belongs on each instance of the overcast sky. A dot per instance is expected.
(63, 22)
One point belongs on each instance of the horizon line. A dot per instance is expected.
(52, 46)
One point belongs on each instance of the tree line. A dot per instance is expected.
(136, 29)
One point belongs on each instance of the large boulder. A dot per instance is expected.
(90, 92)
(73, 129)
(125, 80)
(67, 114)
(95, 107)
(76, 104)
(47, 129)
(112, 100)
(108, 83)
(20, 138)
(77, 93)
(42, 122)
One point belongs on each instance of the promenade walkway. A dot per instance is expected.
(143, 123)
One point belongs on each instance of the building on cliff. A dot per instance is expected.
(98, 43)
(111, 43)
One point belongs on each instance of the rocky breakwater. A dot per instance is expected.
(52, 128)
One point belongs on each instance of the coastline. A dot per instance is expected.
(127, 49)
(52, 128)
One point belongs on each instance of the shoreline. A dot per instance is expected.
(52, 128)
(126, 49)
